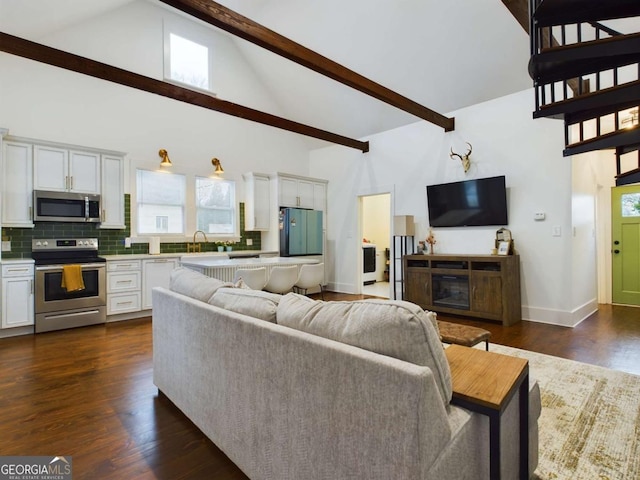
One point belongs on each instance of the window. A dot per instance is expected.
(630, 204)
(187, 62)
(161, 202)
(162, 223)
(215, 206)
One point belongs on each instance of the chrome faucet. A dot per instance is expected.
(196, 247)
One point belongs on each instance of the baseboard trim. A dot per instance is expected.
(563, 318)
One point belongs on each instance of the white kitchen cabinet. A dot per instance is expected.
(63, 170)
(17, 294)
(124, 286)
(320, 197)
(155, 273)
(112, 197)
(301, 192)
(17, 186)
(257, 201)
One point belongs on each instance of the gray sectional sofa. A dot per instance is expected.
(295, 389)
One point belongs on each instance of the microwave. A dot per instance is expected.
(66, 207)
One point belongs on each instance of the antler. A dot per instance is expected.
(464, 159)
(453, 154)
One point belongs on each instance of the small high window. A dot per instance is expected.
(187, 60)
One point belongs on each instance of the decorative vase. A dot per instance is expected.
(229, 249)
(431, 248)
(220, 248)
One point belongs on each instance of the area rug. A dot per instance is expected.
(590, 420)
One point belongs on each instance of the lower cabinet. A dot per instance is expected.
(124, 286)
(155, 273)
(130, 282)
(17, 294)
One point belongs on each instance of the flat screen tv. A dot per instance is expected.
(478, 202)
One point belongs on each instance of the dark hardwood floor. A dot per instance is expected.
(88, 393)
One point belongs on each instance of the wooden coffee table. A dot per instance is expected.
(485, 382)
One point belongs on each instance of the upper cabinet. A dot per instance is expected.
(28, 164)
(256, 201)
(302, 192)
(63, 170)
(112, 192)
(17, 178)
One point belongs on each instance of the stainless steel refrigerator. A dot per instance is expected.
(300, 232)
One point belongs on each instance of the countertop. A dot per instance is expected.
(7, 261)
(184, 255)
(234, 262)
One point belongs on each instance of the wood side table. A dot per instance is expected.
(485, 382)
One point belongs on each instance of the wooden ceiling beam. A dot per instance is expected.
(58, 58)
(221, 17)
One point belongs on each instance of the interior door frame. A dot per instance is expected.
(359, 197)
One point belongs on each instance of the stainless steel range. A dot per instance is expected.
(55, 307)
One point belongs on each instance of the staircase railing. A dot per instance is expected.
(543, 39)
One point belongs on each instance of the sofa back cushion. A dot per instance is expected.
(394, 328)
(194, 284)
(254, 303)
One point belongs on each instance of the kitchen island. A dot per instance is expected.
(225, 269)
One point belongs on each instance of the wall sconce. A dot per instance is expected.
(165, 158)
(216, 163)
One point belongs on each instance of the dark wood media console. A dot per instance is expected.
(485, 286)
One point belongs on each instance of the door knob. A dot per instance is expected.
(616, 242)
(616, 251)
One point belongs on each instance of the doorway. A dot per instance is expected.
(375, 226)
(625, 244)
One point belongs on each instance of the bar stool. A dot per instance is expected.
(254, 278)
(310, 276)
(282, 279)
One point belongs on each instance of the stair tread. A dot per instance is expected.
(628, 37)
(601, 102)
(558, 12)
(568, 61)
(627, 136)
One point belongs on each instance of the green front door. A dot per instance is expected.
(625, 248)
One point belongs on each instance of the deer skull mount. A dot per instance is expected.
(465, 159)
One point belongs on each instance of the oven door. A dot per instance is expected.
(51, 297)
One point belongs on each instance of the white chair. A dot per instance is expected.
(282, 279)
(310, 276)
(254, 278)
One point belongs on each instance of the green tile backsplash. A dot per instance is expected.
(111, 242)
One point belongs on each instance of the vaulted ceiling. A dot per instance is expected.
(443, 55)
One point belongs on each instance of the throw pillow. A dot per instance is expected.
(194, 284)
(254, 303)
(394, 328)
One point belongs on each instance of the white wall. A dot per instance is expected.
(44, 102)
(584, 252)
(506, 141)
